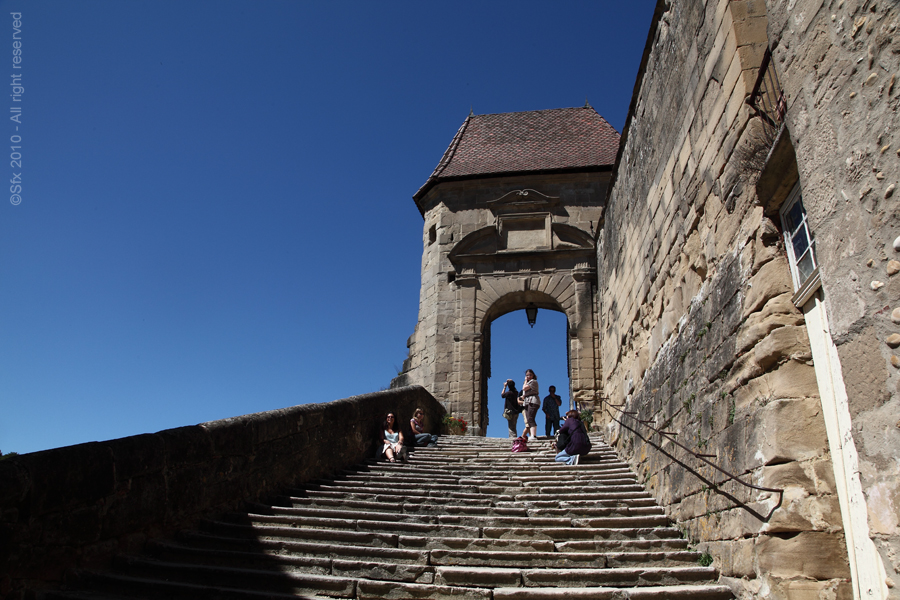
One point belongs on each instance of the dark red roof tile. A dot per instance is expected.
(537, 140)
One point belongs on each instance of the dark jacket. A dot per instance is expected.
(578, 442)
(511, 396)
(551, 406)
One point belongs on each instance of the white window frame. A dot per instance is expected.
(807, 287)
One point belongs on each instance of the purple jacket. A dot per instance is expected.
(578, 442)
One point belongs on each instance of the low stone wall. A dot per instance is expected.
(80, 505)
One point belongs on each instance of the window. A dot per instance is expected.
(799, 241)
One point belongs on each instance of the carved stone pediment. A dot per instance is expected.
(529, 232)
(518, 201)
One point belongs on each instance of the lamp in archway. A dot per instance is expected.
(531, 313)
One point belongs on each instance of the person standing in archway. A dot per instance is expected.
(551, 412)
(531, 401)
(511, 408)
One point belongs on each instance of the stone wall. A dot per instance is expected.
(78, 506)
(699, 333)
(839, 62)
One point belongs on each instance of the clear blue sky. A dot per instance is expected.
(216, 214)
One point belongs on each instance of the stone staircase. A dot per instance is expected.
(467, 519)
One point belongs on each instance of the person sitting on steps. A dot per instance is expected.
(578, 443)
(417, 424)
(392, 440)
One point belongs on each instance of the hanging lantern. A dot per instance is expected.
(531, 313)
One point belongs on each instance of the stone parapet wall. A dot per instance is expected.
(699, 335)
(77, 506)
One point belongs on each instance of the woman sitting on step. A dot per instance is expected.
(392, 440)
(579, 444)
(417, 424)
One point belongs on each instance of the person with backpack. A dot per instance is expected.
(511, 408)
(578, 443)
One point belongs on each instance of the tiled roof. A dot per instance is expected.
(537, 140)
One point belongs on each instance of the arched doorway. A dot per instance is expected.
(514, 346)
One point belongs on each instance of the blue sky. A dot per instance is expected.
(216, 213)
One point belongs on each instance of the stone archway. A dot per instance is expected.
(507, 304)
(491, 295)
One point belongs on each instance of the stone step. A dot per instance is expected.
(534, 493)
(323, 559)
(674, 592)
(609, 500)
(414, 479)
(595, 577)
(131, 588)
(438, 463)
(594, 560)
(367, 566)
(447, 525)
(420, 513)
(209, 541)
(581, 533)
(352, 538)
(466, 519)
(272, 580)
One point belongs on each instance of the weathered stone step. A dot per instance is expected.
(306, 523)
(450, 525)
(526, 540)
(117, 587)
(355, 538)
(498, 541)
(505, 577)
(627, 545)
(272, 580)
(415, 478)
(535, 493)
(675, 592)
(594, 560)
(608, 500)
(364, 567)
(123, 587)
(437, 462)
(581, 533)
(449, 513)
(205, 541)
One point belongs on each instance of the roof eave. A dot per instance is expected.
(434, 181)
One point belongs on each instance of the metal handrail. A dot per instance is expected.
(670, 436)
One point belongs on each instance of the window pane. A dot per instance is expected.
(794, 217)
(805, 267)
(800, 243)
